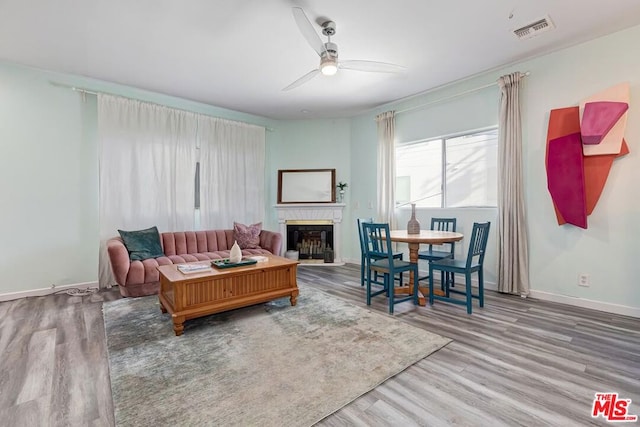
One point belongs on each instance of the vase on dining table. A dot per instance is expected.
(413, 226)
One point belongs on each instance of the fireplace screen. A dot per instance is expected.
(314, 242)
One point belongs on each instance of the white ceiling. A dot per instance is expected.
(239, 54)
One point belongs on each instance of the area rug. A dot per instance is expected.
(266, 365)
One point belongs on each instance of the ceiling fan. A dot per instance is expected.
(329, 63)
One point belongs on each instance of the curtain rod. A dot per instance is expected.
(84, 91)
(446, 98)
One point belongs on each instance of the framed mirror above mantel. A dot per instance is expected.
(306, 186)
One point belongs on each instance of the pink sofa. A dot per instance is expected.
(140, 278)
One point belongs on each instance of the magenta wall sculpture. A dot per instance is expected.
(582, 143)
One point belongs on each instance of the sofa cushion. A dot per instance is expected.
(142, 244)
(217, 255)
(247, 236)
(256, 251)
(188, 242)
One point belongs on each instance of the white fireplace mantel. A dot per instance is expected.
(314, 211)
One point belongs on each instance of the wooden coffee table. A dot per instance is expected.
(187, 296)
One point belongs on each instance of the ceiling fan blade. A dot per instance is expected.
(302, 80)
(307, 30)
(371, 66)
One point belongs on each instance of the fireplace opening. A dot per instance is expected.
(312, 240)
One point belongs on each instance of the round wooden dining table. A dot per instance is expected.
(429, 237)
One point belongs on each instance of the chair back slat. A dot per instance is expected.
(444, 224)
(375, 242)
(478, 243)
(360, 232)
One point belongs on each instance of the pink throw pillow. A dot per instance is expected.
(247, 236)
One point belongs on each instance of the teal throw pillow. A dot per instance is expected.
(142, 244)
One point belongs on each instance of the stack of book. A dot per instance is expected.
(193, 268)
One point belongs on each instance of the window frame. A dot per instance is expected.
(443, 154)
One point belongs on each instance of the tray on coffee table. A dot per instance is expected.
(226, 263)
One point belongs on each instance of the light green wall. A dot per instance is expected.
(307, 144)
(49, 175)
(606, 250)
(310, 144)
(474, 110)
(364, 166)
(48, 182)
(48, 169)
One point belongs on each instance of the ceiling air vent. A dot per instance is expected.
(534, 28)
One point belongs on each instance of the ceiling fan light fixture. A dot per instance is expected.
(328, 52)
(328, 66)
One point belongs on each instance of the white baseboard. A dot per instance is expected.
(45, 291)
(586, 303)
(573, 301)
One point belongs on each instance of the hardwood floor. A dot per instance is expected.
(53, 368)
(515, 362)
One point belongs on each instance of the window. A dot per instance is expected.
(455, 171)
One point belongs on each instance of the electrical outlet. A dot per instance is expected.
(583, 279)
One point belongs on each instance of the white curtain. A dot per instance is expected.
(513, 242)
(232, 179)
(147, 166)
(386, 168)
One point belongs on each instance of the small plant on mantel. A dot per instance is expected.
(341, 186)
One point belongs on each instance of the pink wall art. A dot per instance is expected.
(582, 144)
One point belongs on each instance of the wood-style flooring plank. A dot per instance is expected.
(516, 362)
(39, 366)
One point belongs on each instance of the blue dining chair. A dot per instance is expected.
(364, 260)
(473, 263)
(381, 259)
(431, 254)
